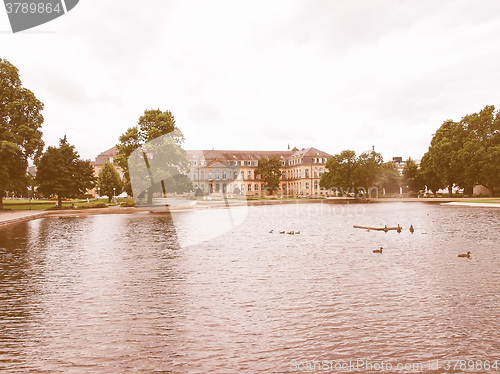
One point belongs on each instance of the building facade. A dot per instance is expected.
(232, 172)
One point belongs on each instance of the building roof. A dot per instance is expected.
(230, 155)
(105, 156)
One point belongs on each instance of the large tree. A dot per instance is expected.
(369, 168)
(412, 176)
(269, 170)
(342, 172)
(61, 172)
(151, 156)
(443, 157)
(20, 129)
(109, 181)
(388, 178)
(479, 154)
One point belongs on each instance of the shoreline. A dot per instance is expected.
(10, 217)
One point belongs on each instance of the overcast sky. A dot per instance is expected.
(260, 75)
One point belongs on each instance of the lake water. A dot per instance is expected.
(117, 294)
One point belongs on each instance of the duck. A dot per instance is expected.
(291, 233)
(378, 250)
(412, 229)
(282, 232)
(399, 229)
(386, 229)
(464, 255)
(297, 232)
(270, 232)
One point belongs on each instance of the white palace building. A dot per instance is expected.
(219, 171)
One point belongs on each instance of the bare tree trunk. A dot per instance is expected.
(1, 200)
(450, 192)
(490, 187)
(59, 201)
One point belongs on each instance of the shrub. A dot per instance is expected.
(94, 205)
(127, 204)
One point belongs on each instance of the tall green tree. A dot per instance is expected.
(269, 170)
(388, 178)
(109, 181)
(343, 172)
(443, 157)
(151, 155)
(20, 129)
(61, 172)
(479, 152)
(369, 168)
(412, 176)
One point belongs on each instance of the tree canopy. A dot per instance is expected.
(109, 181)
(151, 156)
(20, 129)
(61, 172)
(412, 176)
(465, 153)
(350, 174)
(269, 170)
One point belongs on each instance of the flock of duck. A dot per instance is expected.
(385, 229)
(398, 229)
(289, 232)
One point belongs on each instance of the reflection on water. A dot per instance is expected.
(116, 293)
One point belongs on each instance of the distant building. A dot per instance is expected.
(399, 163)
(219, 171)
(301, 171)
(100, 160)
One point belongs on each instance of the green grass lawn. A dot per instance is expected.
(24, 204)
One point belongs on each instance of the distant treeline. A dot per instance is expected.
(462, 154)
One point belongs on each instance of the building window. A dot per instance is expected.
(203, 188)
(195, 163)
(307, 185)
(320, 172)
(224, 188)
(324, 160)
(315, 173)
(315, 185)
(217, 187)
(209, 175)
(256, 187)
(217, 175)
(195, 175)
(224, 175)
(307, 173)
(242, 163)
(236, 174)
(236, 163)
(249, 187)
(242, 188)
(249, 175)
(202, 175)
(314, 160)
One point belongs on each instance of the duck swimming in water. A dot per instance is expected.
(378, 250)
(412, 229)
(464, 255)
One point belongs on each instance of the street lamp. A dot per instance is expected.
(99, 193)
(114, 193)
